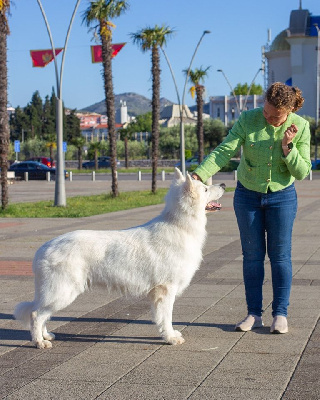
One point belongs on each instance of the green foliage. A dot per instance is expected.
(38, 121)
(187, 154)
(169, 142)
(197, 75)
(231, 166)
(244, 88)
(214, 131)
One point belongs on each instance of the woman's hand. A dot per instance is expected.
(195, 176)
(289, 134)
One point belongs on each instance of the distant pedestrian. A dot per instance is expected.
(276, 151)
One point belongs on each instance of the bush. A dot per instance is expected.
(231, 166)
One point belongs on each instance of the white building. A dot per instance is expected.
(228, 108)
(170, 116)
(293, 58)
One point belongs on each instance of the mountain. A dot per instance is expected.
(136, 104)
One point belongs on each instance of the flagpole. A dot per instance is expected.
(60, 190)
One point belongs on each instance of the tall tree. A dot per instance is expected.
(195, 77)
(152, 39)
(79, 142)
(4, 123)
(244, 88)
(100, 12)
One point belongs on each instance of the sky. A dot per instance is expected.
(238, 30)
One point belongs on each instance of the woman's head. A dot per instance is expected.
(283, 96)
(280, 101)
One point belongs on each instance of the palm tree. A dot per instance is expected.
(100, 12)
(4, 124)
(95, 147)
(79, 142)
(152, 39)
(125, 135)
(195, 77)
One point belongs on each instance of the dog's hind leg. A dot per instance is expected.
(162, 300)
(38, 329)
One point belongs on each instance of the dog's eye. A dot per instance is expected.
(205, 189)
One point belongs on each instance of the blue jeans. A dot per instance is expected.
(265, 223)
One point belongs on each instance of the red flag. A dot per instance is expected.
(40, 58)
(96, 52)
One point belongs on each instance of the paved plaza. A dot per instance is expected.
(107, 347)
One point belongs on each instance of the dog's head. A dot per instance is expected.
(195, 195)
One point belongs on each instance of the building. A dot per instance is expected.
(228, 108)
(293, 58)
(170, 116)
(94, 127)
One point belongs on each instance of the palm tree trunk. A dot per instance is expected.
(109, 95)
(80, 158)
(199, 92)
(4, 126)
(126, 153)
(155, 114)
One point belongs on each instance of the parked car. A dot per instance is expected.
(36, 170)
(44, 160)
(315, 165)
(103, 162)
(193, 161)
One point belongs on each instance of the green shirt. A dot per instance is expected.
(263, 164)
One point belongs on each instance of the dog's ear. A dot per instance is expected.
(189, 183)
(178, 175)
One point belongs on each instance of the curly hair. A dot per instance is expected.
(280, 95)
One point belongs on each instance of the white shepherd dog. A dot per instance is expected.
(157, 260)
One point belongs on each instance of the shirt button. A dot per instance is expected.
(269, 164)
(270, 147)
(251, 145)
(268, 180)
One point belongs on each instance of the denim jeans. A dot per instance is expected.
(265, 223)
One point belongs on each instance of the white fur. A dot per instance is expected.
(157, 260)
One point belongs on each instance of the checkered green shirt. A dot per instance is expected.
(262, 164)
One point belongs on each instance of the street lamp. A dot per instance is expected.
(60, 190)
(232, 90)
(181, 103)
(317, 99)
(249, 90)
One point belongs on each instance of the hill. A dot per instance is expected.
(136, 104)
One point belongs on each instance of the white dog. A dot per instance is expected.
(157, 259)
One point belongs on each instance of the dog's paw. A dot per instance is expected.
(43, 344)
(175, 339)
(49, 336)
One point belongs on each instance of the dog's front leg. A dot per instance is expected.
(162, 300)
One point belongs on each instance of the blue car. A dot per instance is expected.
(36, 170)
(315, 165)
(103, 162)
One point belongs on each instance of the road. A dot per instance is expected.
(83, 185)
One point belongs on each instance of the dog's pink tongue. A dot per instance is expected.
(213, 206)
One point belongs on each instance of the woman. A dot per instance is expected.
(276, 151)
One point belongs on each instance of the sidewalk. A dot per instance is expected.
(107, 348)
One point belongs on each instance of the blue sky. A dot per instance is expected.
(238, 30)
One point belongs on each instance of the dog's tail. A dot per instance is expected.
(23, 311)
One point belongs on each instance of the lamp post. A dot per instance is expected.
(317, 95)
(249, 90)
(60, 191)
(181, 102)
(232, 90)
